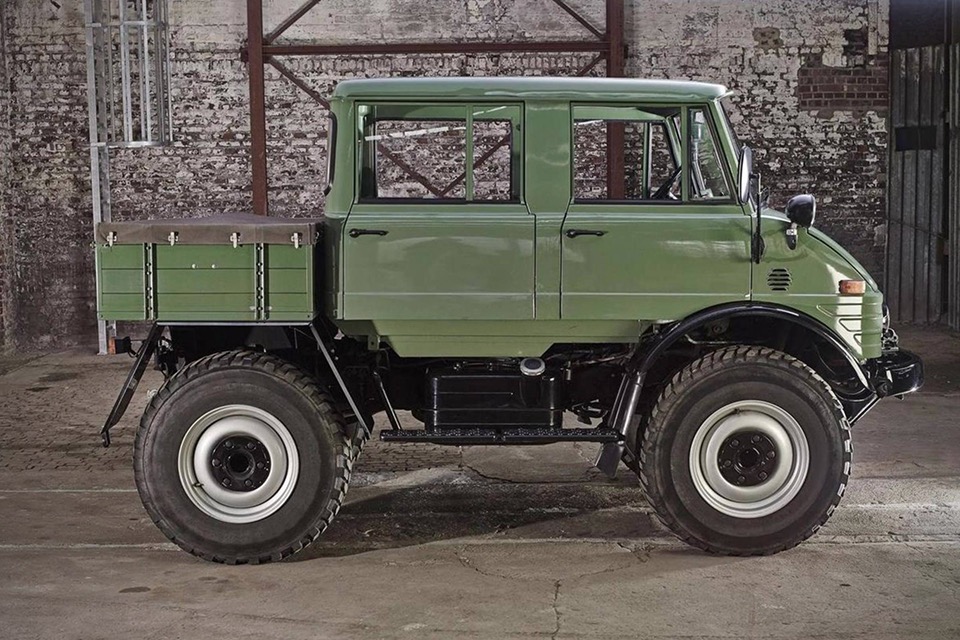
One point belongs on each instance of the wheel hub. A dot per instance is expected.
(748, 458)
(240, 463)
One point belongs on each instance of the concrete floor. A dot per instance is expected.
(475, 542)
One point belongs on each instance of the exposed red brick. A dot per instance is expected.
(862, 87)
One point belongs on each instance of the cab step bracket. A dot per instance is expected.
(487, 435)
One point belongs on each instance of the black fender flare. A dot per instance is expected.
(655, 347)
(628, 396)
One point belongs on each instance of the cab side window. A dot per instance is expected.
(650, 152)
(590, 144)
(417, 158)
(439, 153)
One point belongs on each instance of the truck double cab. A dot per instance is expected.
(497, 254)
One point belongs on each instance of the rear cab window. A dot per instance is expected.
(439, 153)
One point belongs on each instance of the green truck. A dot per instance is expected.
(497, 255)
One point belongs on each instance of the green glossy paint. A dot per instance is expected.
(208, 283)
(440, 262)
(463, 278)
(658, 262)
(816, 268)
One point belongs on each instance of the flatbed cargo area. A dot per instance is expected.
(229, 268)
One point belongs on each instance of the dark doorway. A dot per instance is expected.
(923, 192)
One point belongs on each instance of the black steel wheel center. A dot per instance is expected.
(240, 463)
(748, 458)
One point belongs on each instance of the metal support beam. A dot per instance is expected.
(258, 114)
(414, 48)
(579, 18)
(300, 84)
(290, 21)
(615, 130)
(98, 110)
(587, 68)
(262, 49)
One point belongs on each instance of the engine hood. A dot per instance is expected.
(843, 253)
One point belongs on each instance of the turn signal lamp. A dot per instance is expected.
(852, 287)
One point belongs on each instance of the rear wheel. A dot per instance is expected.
(241, 457)
(746, 452)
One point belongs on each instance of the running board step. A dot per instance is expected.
(486, 435)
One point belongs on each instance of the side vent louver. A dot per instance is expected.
(779, 279)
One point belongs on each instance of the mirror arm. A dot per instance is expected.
(757, 246)
(792, 236)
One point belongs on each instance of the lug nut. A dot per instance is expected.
(756, 438)
(228, 444)
(772, 454)
(762, 476)
(727, 463)
(247, 483)
(735, 443)
(259, 465)
(215, 462)
(251, 446)
(226, 482)
(741, 480)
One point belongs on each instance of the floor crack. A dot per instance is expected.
(465, 562)
(494, 478)
(558, 617)
(640, 552)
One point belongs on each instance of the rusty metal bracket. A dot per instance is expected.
(133, 380)
(340, 382)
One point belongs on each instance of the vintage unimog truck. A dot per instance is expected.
(496, 254)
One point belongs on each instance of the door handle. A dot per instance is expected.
(573, 233)
(356, 233)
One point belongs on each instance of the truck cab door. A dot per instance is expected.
(677, 242)
(438, 231)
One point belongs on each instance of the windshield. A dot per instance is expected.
(724, 108)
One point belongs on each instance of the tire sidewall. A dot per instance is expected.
(777, 383)
(160, 485)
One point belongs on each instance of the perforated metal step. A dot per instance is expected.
(486, 435)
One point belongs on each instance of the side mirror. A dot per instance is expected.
(802, 210)
(743, 177)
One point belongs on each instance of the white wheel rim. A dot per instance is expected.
(198, 475)
(777, 427)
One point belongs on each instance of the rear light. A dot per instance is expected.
(852, 287)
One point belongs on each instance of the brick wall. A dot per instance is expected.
(858, 88)
(780, 56)
(771, 53)
(5, 139)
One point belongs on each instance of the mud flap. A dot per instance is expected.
(609, 458)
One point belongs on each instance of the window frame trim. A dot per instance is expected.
(719, 149)
(515, 117)
(676, 149)
(684, 157)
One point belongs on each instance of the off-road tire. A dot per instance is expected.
(715, 380)
(326, 456)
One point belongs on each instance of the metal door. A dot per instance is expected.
(917, 229)
(952, 171)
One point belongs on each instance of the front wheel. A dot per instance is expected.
(747, 452)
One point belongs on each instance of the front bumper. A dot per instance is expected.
(896, 373)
